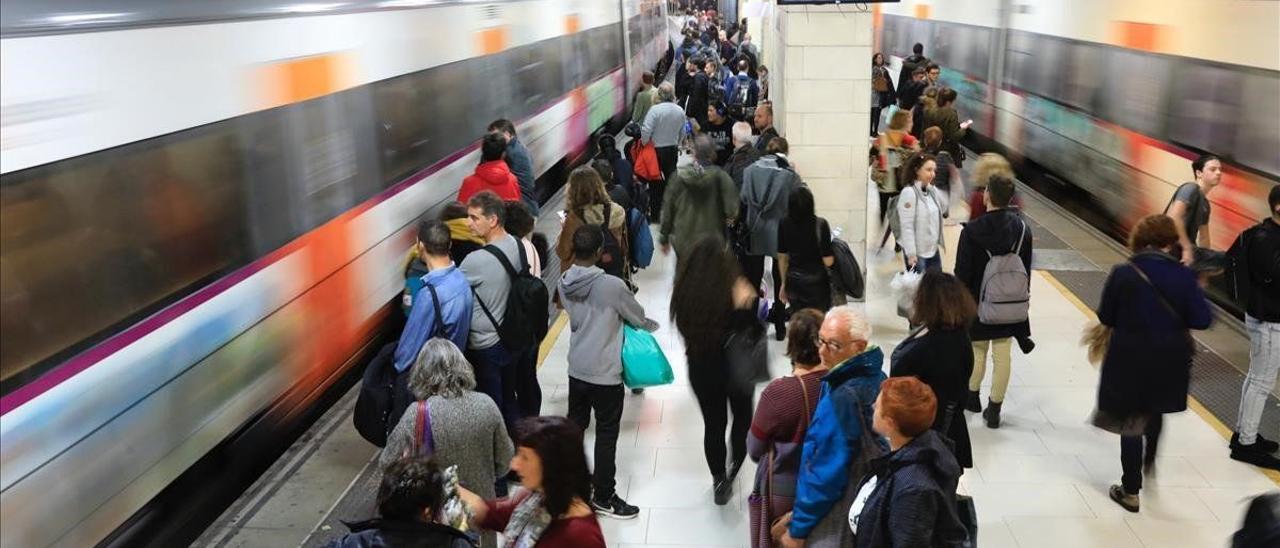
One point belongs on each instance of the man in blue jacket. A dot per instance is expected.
(451, 291)
(519, 161)
(832, 447)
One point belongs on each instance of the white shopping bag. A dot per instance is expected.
(904, 286)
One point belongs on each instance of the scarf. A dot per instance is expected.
(458, 230)
(527, 523)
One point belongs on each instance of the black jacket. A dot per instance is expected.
(995, 232)
(909, 65)
(379, 533)
(914, 501)
(1256, 258)
(942, 359)
(696, 108)
(762, 142)
(741, 157)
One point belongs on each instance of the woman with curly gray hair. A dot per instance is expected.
(452, 423)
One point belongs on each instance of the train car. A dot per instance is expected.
(1114, 98)
(203, 205)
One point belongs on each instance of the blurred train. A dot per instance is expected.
(202, 205)
(1114, 98)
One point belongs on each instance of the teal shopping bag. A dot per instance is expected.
(643, 363)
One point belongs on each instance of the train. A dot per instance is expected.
(203, 206)
(1113, 99)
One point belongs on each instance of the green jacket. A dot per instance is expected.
(644, 99)
(700, 200)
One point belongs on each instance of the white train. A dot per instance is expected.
(202, 203)
(1115, 98)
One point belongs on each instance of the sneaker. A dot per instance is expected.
(724, 490)
(1125, 500)
(1259, 443)
(615, 507)
(1256, 456)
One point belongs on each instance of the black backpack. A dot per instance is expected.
(384, 392)
(612, 260)
(848, 276)
(526, 319)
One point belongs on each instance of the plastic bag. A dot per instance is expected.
(904, 285)
(643, 363)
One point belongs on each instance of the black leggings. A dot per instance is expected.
(708, 378)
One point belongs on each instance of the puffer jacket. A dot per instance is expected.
(913, 502)
(766, 189)
(495, 176)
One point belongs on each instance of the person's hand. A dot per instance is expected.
(911, 262)
(782, 294)
(666, 249)
(475, 504)
(788, 542)
(743, 293)
(1188, 255)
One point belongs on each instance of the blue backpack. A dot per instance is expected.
(641, 238)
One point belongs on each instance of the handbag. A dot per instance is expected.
(747, 353)
(644, 156)
(643, 362)
(779, 525)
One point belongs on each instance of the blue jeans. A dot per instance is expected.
(925, 264)
(495, 370)
(1264, 363)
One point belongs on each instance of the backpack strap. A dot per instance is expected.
(506, 263)
(435, 303)
(1017, 249)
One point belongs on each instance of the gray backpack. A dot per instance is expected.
(1005, 295)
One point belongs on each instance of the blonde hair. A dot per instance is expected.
(900, 120)
(990, 164)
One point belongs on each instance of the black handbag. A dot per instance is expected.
(747, 352)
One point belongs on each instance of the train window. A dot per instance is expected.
(421, 118)
(327, 174)
(1259, 138)
(1206, 109)
(490, 94)
(1034, 63)
(93, 242)
(962, 48)
(1134, 88)
(537, 74)
(1081, 75)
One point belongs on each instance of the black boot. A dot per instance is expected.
(973, 403)
(723, 490)
(992, 414)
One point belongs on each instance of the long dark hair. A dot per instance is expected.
(558, 443)
(912, 165)
(873, 59)
(942, 302)
(702, 297)
(801, 211)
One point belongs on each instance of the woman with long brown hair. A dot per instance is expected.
(587, 202)
(709, 299)
(939, 353)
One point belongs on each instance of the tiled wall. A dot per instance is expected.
(824, 110)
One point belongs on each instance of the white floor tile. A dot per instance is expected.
(1000, 500)
(1157, 503)
(706, 525)
(1169, 471)
(1173, 534)
(630, 530)
(1221, 471)
(1001, 468)
(1040, 532)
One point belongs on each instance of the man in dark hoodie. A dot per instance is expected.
(598, 306)
(994, 233)
(518, 160)
(909, 498)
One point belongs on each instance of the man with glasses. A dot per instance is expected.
(833, 443)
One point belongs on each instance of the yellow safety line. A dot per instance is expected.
(1192, 402)
(552, 334)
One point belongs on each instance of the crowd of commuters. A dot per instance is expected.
(848, 456)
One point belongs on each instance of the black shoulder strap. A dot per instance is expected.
(506, 263)
(435, 303)
(1159, 294)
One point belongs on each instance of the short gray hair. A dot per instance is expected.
(704, 150)
(666, 92)
(742, 133)
(857, 324)
(441, 370)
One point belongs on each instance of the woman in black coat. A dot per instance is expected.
(999, 231)
(1151, 303)
(940, 354)
(883, 93)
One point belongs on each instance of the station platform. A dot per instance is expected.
(1040, 480)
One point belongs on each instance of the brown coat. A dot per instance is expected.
(594, 215)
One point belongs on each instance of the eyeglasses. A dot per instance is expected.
(835, 346)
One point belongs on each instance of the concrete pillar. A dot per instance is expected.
(824, 108)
